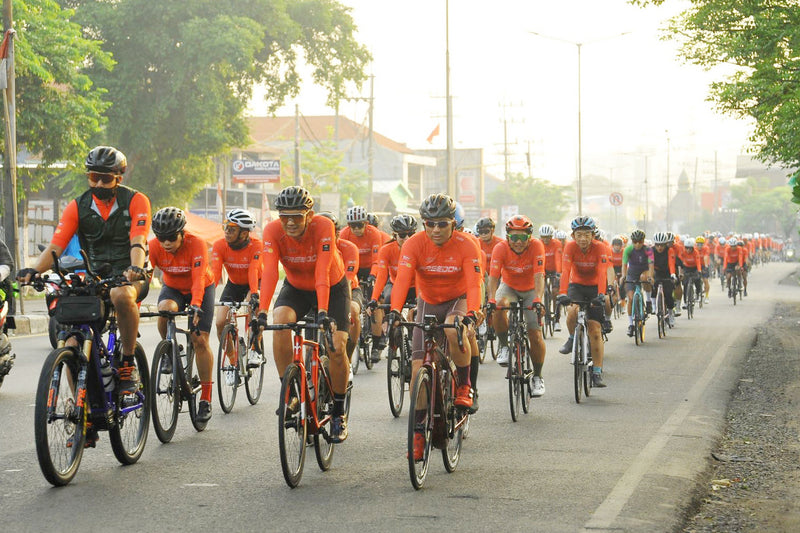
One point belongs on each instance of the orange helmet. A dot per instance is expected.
(519, 222)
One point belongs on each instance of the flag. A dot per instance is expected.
(433, 134)
(4, 61)
(219, 198)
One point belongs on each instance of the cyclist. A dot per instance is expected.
(375, 221)
(584, 278)
(6, 295)
(742, 244)
(484, 227)
(519, 262)
(369, 240)
(705, 254)
(692, 263)
(561, 236)
(187, 283)
(664, 270)
(403, 226)
(552, 264)
(600, 236)
(637, 265)
(733, 260)
(304, 243)
(240, 255)
(112, 222)
(445, 264)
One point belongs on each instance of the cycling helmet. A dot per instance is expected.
(700, 240)
(356, 213)
(722, 241)
(519, 222)
(661, 237)
(332, 217)
(616, 241)
(755, 235)
(373, 220)
(670, 236)
(468, 231)
(688, 243)
(403, 224)
(242, 218)
(600, 234)
(740, 243)
(561, 235)
(438, 206)
(293, 197)
(168, 220)
(107, 160)
(637, 235)
(583, 222)
(484, 223)
(546, 230)
(459, 216)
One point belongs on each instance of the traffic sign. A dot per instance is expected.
(615, 198)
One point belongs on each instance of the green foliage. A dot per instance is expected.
(542, 201)
(59, 108)
(322, 171)
(186, 70)
(763, 209)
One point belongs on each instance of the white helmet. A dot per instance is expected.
(755, 235)
(721, 240)
(546, 230)
(688, 243)
(561, 235)
(356, 213)
(242, 218)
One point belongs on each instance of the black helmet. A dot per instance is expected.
(637, 235)
(293, 197)
(107, 160)
(403, 224)
(334, 218)
(168, 220)
(484, 223)
(438, 206)
(373, 220)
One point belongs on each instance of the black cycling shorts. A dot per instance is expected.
(233, 292)
(587, 293)
(304, 301)
(185, 299)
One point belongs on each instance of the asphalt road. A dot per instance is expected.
(627, 459)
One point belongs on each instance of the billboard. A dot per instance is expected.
(260, 171)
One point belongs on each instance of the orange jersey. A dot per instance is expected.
(616, 257)
(553, 252)
(733, 254)
(484, 259)
(691, 259)
(518, 270)
(187, 270)
(443, 273)
(311, 262)
(139, 210)
(368, 244)
(349, 253)
(243, 266)
(388, 258)
(487, 248)
(585, 268)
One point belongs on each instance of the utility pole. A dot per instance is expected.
(10, 220)
(714, 208)
(669, 198)
(297, 178)
(370, 138)
(451, 174)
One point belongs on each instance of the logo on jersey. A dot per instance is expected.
(141, 223)
(326, 247)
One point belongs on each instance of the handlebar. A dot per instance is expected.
(300, 325)
(431, 324)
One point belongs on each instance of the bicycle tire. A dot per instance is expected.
(355, 359)
(578, 356)
(366, 340)
(451, 453)
(166, 397)
(420, 396)
(637, 317)
(492, 340)
(323, 448)
(481, 337)
(195, 385)
(661, 314)
(128, 435)
(58, 462)
(254, 373)
(546, 318)
(395, 379)
(526, 384)
(292, 426)
(690, 299)
(227, 368)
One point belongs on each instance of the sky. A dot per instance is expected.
(637, 97)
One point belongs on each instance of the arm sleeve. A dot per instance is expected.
(269, 276)
(381, 270)
(140, 215)
(671, 261)
(538, 265)
(216, 261)
(558, 256)
(472, 270)
(406, 269)
(199, 269)
(67, 226)
(498, 258)
(566, 272)
(326, 247)
(254, 270)
(602, 266)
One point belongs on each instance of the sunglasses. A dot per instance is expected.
(437, 224)
(229, 228)
(94, 177)
(356, 225)
(516, 237)
(484, 231)
(403, 235)
(297, 218)
(172, 237)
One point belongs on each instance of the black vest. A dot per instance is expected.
(106, 241)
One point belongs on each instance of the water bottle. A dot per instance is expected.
(107, 373)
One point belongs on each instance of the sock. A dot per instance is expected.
(127, 360)
(597, 369)
(474, 365)
(207, 389)
(537, 369)
(462, 373)
(571, 338)
(630, 320)
(338, 404)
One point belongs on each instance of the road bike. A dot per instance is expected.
(175, 378)
(662, 315)
(690, 277)
(581, 357)
(486, 336)
(550, 305)
(639, 311)
(433, 413)
(240, 362)
(520, 369)
(364, 348)
(398, 364)
(77, 393)
(736, 285)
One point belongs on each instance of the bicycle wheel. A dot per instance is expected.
(420, 420)
(291, 427)
(482, 340)
(514, 377)
(578, 364)
(322, 447)
(228, 366)
(526, 376)
(355, 360)
(587, 367)
(395, 379)
(166, 398)
(191, 373)
(254, 373)
(546, 317)
(129, 433)
(661, 315)
(451, 453)
(491, 338)
(638, 312)
(689, 299)
(59, 425)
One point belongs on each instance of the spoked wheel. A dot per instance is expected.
(491, 338)
(365, 346)
(166, 398)
(228, 368)
(190, 371)
(254, 373)
(322, 447)
(396, 379)
(420, 422)
(526, 378)
(59, 428)
(690, 300)
(639, 327)
(662, 316)
(291, 427)
(451, 453)
(514, 377)
(578, 366)
(129, 435)
(549, 315)
(483, 330)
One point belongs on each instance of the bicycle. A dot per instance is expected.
(433, 412)
(581, 358)
(639, 311)
(689, 279)
(306, 402)
(175, 378)
(364, 348)
(77, 390)
(736, 285)
(662, 316)
(398, 365)
(249, 362)
(550, 304)
(486, 336)
(520, 369)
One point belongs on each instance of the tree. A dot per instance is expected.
(59, 108)
(542, 201)
(761, 40)
(323, 171)
(763, 209)
(185, 73)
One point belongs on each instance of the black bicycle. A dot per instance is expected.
(398, 364)
(364, 348)
(239, 361)
(520, 368)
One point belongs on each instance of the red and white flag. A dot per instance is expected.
(4, 61)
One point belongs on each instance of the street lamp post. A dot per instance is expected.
(580, 154)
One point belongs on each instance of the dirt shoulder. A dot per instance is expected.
(753, 483)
